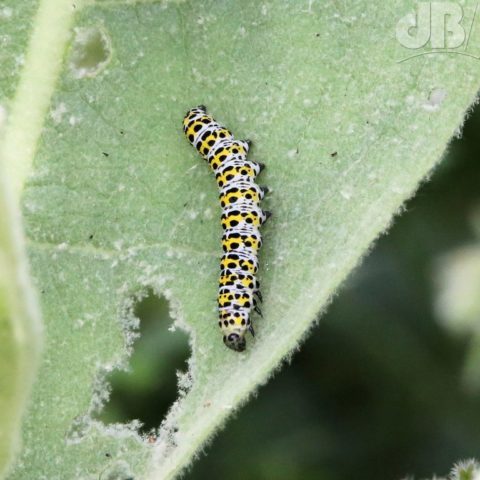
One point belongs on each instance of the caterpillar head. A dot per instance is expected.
(234, 326)
(235, 341)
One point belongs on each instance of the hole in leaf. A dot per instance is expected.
(91, 51)
(149, 388)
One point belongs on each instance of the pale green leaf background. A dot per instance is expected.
(117, 201)
(20, 330)
(20, 327)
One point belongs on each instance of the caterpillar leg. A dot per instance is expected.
(261, 166)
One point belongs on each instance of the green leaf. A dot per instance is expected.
(20, 331)
(118, 202)
(465, 470)
(20, 326)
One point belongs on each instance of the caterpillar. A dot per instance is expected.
(241, 219)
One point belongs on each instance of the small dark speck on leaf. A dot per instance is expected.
(185, 204)
(107, 455)
(105, 154)
(42, 291)
(317, 34)
(122, 132)
(90, 236)
(334, 154)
